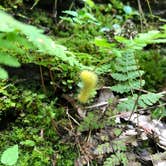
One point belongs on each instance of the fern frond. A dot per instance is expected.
(126, 60)
(103, 149)
(153, 36)
(149, 99)
(5, 59)
(127, 105)
(127, 76)
(144, 101)
(3, 74)
(143, 39)
(121, 68)
(116, 159)
(7, 45)
(125, 87)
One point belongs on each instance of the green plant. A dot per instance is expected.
(90, 122)
(119, 156)
(159, 113)
(8, 60)
(127, 71)
(116, 152)
(18, 39)
(35, 112)
(10, 155)
(81, 17)
(144, 101)
(116, 159)
(154, 76)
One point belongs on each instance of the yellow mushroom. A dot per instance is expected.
(89, 80)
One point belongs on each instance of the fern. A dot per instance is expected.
(3, 74)
(119, 157)
(143, 39)
(103, 148)
(127, 73)
(127, 105)
(148, 99)
(90, 122)
(6, 59)
(144, 101)
(112, 161)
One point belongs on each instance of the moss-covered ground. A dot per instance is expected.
(39, 110)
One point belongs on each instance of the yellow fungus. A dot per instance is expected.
(89, 80)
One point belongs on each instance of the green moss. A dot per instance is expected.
(32, 117)
(26, 113)
(154, 65)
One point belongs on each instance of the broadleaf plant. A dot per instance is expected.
(18, 39)
(10, 155)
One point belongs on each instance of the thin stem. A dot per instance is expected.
(42, 80)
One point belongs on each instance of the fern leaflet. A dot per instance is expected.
(144, 101)
(127, 73)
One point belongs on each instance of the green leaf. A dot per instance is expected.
(8, 60)
(122, 39)
(5, 25)
(127, 76)
(29, 143)
(102, 42)
(127, 9)
(125, 87)
(3, 74)
(144, 101)
(10, 155)
(38, 41)
(71, 13)
(128, 105)
(90, 3)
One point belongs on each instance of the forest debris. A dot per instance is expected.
(105, 94)
(129, 137)
(159, 159)
(105, 102)
(103, 148)
(132, 158)
(86, 149)
(152, 128)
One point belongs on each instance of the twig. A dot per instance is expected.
(145, 91)
(156, 106)
(67, 112)
(119, 100)
(42, 80)
(150, 10)
(142, 17)
(52, 79)
(98, 105)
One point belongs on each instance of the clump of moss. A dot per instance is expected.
(154, 77)
(33, 114)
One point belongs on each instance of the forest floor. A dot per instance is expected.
(121, 116)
